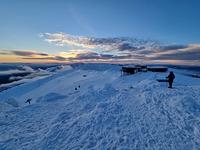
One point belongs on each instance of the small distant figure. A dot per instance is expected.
(171, 78)
(28, 101)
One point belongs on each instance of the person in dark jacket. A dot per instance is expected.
(170, 77)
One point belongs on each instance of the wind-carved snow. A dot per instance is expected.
(106, 111)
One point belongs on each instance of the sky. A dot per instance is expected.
(108, 31)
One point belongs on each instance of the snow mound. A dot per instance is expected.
(5, 107)
(13, 102)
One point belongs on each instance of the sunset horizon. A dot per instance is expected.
(119, 32)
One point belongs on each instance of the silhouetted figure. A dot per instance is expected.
(28, 101)
(171, 78)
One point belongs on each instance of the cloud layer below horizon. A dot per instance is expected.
(113, 50)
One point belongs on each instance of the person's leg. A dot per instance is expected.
(170, 84)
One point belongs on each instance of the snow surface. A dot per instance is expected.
(106, 111)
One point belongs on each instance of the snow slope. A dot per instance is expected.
(106, 111)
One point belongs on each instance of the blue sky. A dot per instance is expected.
(118, 31)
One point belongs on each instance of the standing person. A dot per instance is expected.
(171, 77)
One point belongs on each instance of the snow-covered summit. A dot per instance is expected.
(91, 106)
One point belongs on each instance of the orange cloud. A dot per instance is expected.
(28, 56)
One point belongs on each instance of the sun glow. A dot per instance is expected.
(67, 54)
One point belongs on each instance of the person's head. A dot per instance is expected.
(171, 72)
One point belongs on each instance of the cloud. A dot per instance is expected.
(124, 48)
(189, 52)
(28, 53)
(4, 53)
(85, 56)
(172, 47)
(102, 57)
(90, 56)
(32, 55)
(129, 47)
(107, 56)
(58, 58)
(117, 44)
(61, 39)
(117, 49)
